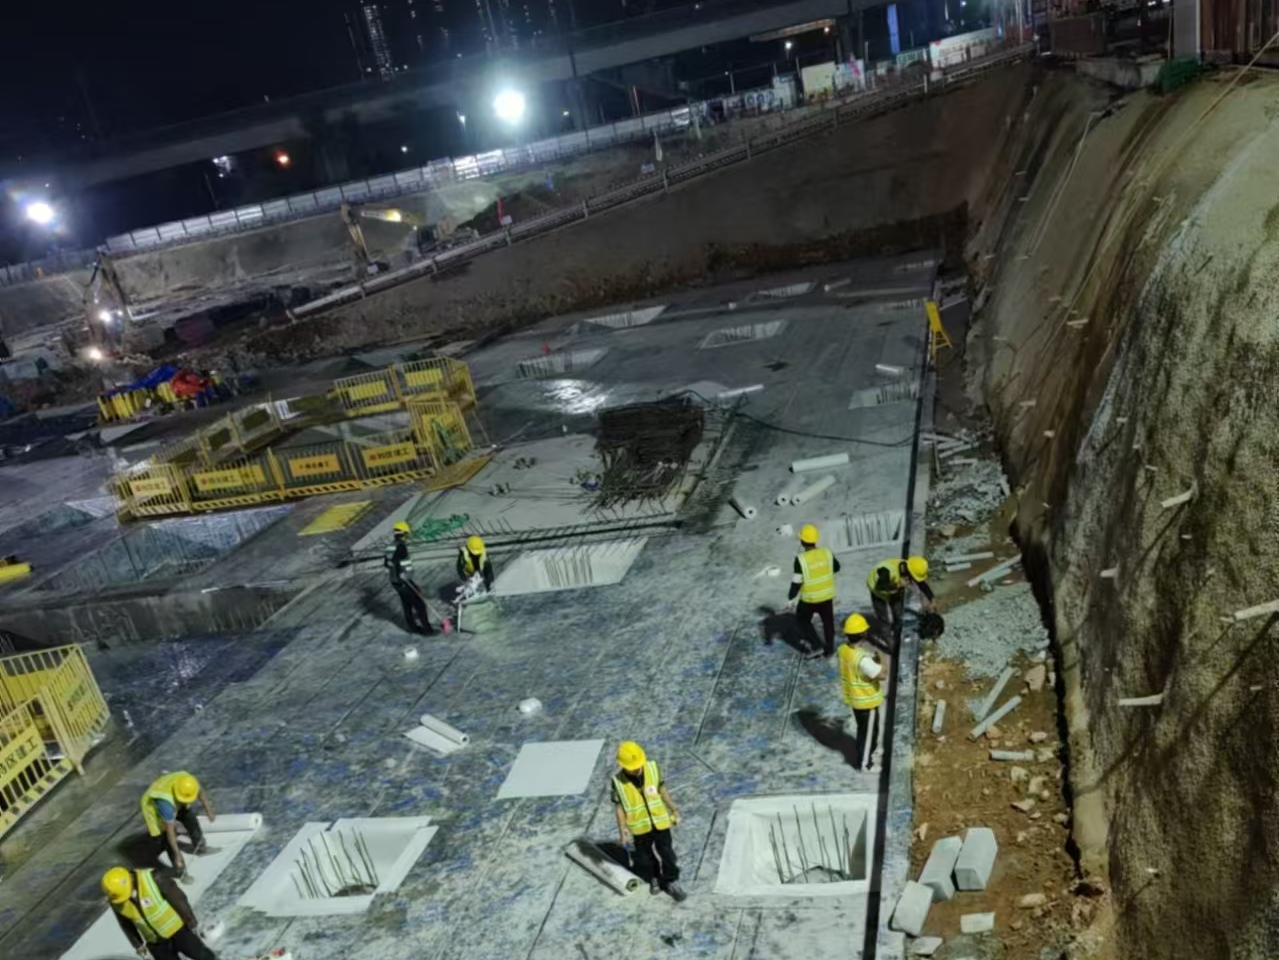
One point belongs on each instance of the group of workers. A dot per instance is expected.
(862, 669)
(153, 912)
(472, 561)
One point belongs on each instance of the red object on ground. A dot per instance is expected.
(189, 384)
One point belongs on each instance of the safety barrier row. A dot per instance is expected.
(439, 437)
(390, 389)
(828, 117)
(48, 699)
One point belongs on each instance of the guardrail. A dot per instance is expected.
(51, 713)
(870, 105)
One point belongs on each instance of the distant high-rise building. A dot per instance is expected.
(379, 46)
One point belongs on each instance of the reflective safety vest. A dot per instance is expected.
(401, 569)
(152, 915)
(817, 566)
(860, 692)
(162, 789)
(894, 576)
(469, 567)
(645, 810)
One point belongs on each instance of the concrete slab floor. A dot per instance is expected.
(682, 655)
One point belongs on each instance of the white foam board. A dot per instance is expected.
(556, 768)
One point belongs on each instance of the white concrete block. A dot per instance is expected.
(977, 922)
(939, 867)
(939, 716)
(976, 859)
(912, 909)
(926, 946)
(989, 702)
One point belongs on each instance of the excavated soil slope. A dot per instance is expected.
(1129, 352)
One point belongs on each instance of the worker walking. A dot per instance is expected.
(473, 558)
(166, 803)
(399, 565)
(813, 582)
(861, 678)
(888, 582)
(155, 915)
(645, 814)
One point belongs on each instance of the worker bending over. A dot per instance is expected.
(646, 813)
(154, 914)
(861, 678)
(814, 582)
(473, 558)
(887, 583)
(399, 565)
(166, 803)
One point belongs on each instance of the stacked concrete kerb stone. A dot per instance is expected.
(953, 864)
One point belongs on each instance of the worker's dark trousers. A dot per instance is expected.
(414, 607)
(826, 610)
(888, 611)
(184, 943)
(647, 865)
(188, 819)
(867, 739)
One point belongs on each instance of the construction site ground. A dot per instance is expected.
(300, 717)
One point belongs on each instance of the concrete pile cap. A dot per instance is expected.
(977, 859)
(912, 909)
(936, 874)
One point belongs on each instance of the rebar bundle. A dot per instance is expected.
(645, 448)
(331, 870)
(826, 857)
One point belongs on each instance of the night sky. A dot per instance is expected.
(145, 63)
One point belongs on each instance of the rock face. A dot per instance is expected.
(1158, 376)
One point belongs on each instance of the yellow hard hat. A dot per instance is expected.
(808, 533)
(117, 884)
(475, 545)
(186, 789)
(918, 568)
(856, 624)
(630, 756)
(402, 527)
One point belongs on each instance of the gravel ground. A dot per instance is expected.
(985, 633)
(968, 495)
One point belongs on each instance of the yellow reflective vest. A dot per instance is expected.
(152, 915)
(644, 809)
(894, 576)
(860, 692)
(817, 567)
(469, 568)
(162, 789)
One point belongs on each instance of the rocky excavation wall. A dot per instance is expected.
(1129, 351)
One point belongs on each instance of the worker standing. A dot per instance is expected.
(155, 915)
(646, 813)
(399, 565)
(888, 582)
(813, 582)
(166, 803)
(473, 558)
(861, 677)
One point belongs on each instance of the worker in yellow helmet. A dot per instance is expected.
(645, 814)
(473, 558)
(154, 914)
(861, 677)
(165, 804)
(813, 581)
(888, 582)
(399, 565)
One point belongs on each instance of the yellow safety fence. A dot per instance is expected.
(290, 473)
(51, 714)
(383, 390)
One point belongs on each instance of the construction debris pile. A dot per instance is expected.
(645, 448)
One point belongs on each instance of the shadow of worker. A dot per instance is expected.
(782, 625)
(829, 732)
(617, 853)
